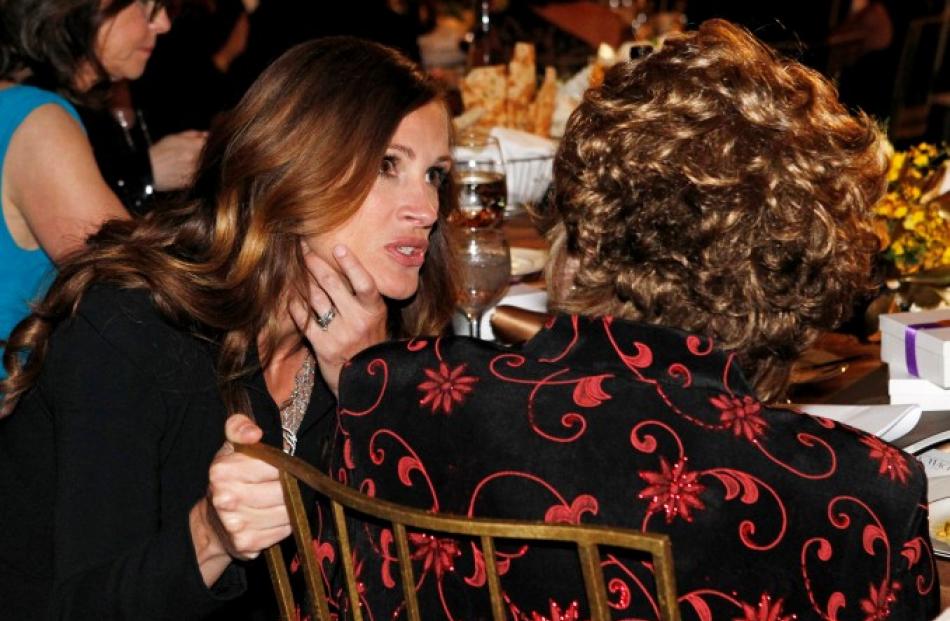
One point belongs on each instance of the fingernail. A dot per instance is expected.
(339, 251)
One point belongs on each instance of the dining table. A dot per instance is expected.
(859, 376)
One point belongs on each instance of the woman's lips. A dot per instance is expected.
(409, 253)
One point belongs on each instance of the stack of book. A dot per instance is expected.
(937, 465)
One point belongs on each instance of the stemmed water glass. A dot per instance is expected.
(479, 169)
(484, 263)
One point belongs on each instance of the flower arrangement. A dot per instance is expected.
(912, 221)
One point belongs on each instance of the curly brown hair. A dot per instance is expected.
(298, 155)
(717, 187)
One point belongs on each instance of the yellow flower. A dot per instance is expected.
(912, 192)
(913, 219)
(897, 163)
(921, 160)
(914, 236)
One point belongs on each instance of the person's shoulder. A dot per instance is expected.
(403, 362)
(39, 125)
(405, 351)
(114, 310)
(20, 100)
(103, 304)
(871, 466)
(125, 322)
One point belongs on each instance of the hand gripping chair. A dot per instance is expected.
(342, 498)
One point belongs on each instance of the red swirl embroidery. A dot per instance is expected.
(405, 466)
(371, 370)
(745, 487)
(807, 440)
(679, 371)
(416, 344)
(694, 345)
(589, 392)
(570, 345)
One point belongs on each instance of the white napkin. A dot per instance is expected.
(519, 145)
(887, 422)
(528, 163)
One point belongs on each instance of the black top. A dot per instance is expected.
(101, 462)
(773, 514)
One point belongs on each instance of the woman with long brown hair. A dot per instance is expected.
(313, 229)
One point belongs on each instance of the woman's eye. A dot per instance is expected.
(388, 166)
(436, 176)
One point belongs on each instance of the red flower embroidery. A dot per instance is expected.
(445, 388)
(675, 490)
(878, 605)
(437, 555)
(570, 614)
(741, 415)
(893, 463)
(767, 610)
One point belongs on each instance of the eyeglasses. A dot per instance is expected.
(152, 8)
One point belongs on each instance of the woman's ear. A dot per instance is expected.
(560, 277)
(568, 270)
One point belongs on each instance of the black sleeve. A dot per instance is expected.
(117, 554)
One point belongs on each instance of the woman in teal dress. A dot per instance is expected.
(53, 195)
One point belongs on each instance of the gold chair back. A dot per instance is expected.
(587, 538)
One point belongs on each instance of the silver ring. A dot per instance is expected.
(324, 320)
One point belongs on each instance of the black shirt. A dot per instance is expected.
(101, 462)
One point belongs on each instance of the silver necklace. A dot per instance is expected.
(292, 413)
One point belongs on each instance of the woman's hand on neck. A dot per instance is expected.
(355, 312)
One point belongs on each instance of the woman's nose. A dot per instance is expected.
(422, 205)
(161, 24)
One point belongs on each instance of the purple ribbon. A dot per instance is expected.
(910, 342)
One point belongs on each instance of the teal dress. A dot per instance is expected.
(24, 274)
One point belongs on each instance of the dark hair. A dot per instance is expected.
(298, 155)
(47, 42)
(716, 187)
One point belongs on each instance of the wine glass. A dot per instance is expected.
(479, 170)
(484, 263)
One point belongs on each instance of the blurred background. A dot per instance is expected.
(888, 57)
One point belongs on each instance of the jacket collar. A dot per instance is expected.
(651, 352)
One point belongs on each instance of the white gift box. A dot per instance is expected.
(918, 344)
(903, 388)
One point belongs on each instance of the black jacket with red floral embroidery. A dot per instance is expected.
(773, 514)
